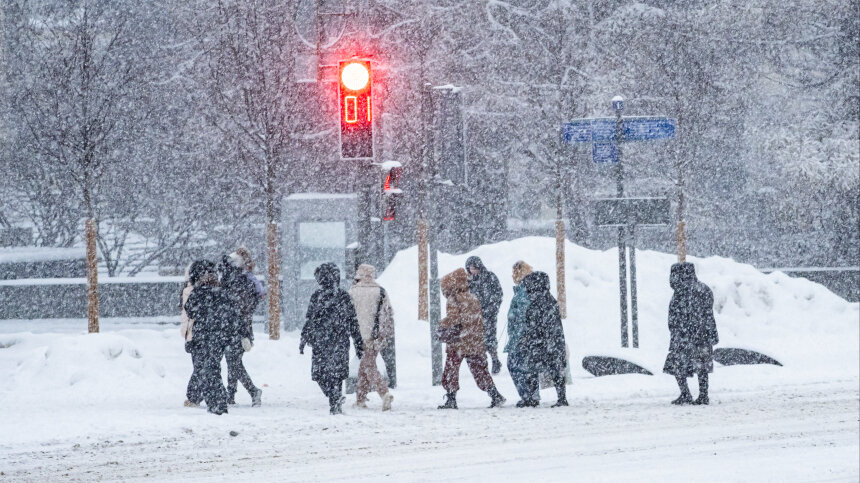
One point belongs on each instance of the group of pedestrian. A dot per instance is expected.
(217, 303)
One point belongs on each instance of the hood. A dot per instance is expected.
(682, 275)
(475, 262)
(201, 270)
(327, 275)
(455, 282)
(365, 273)
(244, 257)
(536, 283)
(227, 269)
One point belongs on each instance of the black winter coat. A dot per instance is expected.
(692, 327)
(542, 342)
(486, 288)
(330, 322)
(243, 294)
(213, 313)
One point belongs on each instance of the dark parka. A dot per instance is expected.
(330, 322)
(692, 327)
(542, 341)
(486, 287)
(243, 294)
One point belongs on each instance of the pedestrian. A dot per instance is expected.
(376, 324)
(330, 322)
(462, 331)
(485, 285)
(525, 379)
(193, 396)
(243, 294)
(543, 339)
(212, 313)
(244, 257)
(692, 331)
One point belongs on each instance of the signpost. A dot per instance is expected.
(606, 136)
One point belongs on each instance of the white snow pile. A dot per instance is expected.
(68, 384)
(800, 323)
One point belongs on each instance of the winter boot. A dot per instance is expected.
(496, 399)
(386, 402)
(231, 398)
(685, 397)
(562, 395)
(361, 403)
(189, 404)
(450, 401)
(702, 400)
(336, 407)
(257, 398)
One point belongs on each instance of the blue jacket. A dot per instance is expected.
(517, 317)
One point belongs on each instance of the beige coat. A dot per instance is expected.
(187, 324)
(365, 298)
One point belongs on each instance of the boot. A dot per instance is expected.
(528, 403)
(450, 401)
(336, 406)
(257, 398)
(497, 400)
(562, 396)
(685, 397)
(231, 398)
(191, 404)
(702, 400)
(386, 401)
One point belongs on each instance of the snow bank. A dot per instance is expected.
(800, 323)
(39, 254)
(63, 385)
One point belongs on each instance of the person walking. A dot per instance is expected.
(693, 332)
(462, 331)
(525, 379)
(330, 322)
(485, 285)
(543, 339)
(193, 396)
(243, 294)
(376, 324)
(212, 313)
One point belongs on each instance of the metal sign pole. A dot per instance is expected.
(634, 311)
(618, 105)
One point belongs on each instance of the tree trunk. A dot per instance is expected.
(92, 277)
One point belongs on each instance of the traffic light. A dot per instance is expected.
(391, 172)
(355, 89)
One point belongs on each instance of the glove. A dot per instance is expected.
(246, 344)
(302, 347)
(359, 352)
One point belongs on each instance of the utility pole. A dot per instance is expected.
(618, 106)
(560, 237)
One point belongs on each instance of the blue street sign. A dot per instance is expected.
(604, 152)
(646, 128)
(602, 129)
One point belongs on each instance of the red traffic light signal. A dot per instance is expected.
(391, 172)
(355, 89)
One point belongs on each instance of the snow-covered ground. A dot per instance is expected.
(109, 406)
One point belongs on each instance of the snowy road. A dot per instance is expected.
(788, 433)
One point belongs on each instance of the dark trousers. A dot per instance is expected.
(193, 392)
(525, 380)
(236, 370)
(211, 384)
(477, 364)
(703, 385)
(388, 358)
(556, 373)
(331, 387)
(490, 339)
